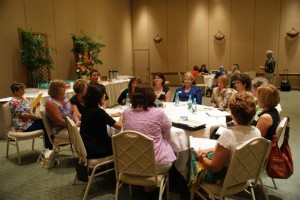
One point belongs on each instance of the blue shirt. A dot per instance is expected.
(195, 92)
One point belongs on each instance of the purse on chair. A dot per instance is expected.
(280, 162)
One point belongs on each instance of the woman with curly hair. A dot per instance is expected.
(242, 108)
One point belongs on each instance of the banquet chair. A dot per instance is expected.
(91, 164)
(135, 163)
(56, 142)
(280, 129)
(244, 170)
(13, 137)
(180, 78)
(201, 83)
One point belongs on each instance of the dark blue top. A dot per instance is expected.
(195, 92)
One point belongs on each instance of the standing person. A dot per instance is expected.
(221, 93)
(242, 109)
(203, 69)
(162, 91)
(143, 117)
(267, 121)
(57, 108)
(94, 76)
(94, 121)
(188, 89)
(133, 83)
(77, 101)
(269, 66)
(24, 120)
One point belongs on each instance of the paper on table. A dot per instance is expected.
(36, 100)
(220, 130)
(201, 143)
(217, 113)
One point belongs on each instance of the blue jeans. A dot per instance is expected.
(37, 125)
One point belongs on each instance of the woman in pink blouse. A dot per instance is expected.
(143, 117)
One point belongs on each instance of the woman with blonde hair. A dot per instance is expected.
(77, 101)
(188, 89)
(58, 107)
(267, 121)
(221, 93)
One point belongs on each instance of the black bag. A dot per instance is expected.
(82, 172)
(285, 83)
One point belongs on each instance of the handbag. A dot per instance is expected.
(82, 172)
(280, 162)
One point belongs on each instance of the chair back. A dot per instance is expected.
(199, 79)
(281, 127)
(133, 154)
(46, 123)
(246, 164)
(180, 78)
(7, 115)
(76, 140)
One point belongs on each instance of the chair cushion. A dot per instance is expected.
(25, 135)
(217, 188)
(61, 141)
(94, 162)
(140, 180)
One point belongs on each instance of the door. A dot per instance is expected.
(141, 65)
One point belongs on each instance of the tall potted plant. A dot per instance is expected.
(86, 51)
(35, 55)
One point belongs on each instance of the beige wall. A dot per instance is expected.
(188, 27)
(59, 19)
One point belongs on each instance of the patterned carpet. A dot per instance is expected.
(32, 181)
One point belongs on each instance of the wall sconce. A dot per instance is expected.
(292, 33)
(219, 35)
(157, 39)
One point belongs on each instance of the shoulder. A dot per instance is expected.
(165, 88)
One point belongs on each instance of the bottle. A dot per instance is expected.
(177, 99)
(190, 102)
(127, 100)
(194, 106)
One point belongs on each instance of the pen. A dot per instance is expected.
(208, 114)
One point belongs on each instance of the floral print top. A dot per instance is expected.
(20, 107)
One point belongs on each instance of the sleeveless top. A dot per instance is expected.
(276, 119)
(162, 96)
(65, 110)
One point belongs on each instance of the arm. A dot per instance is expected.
(76, 113)
(220, 158)
(168, 96)
(119, 124)
(263, 124)
(53, 110)
(122, 97)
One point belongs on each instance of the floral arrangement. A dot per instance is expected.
(85, 64)
(86, 50)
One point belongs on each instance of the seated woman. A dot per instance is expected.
(23, 118)
(94, 121)
(133, 83)
(58, 107)
(188, 89)
(242, 82)
(222, 93)
(195, 70)
(242, 108)
(267, 121)
(152, 122)
(203, 69)
(77, 101)
(162, 92)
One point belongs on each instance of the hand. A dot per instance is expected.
(78, 123)
(222, 92)
(117, 114)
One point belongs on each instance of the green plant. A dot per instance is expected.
(35, 53)
(86, 50)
